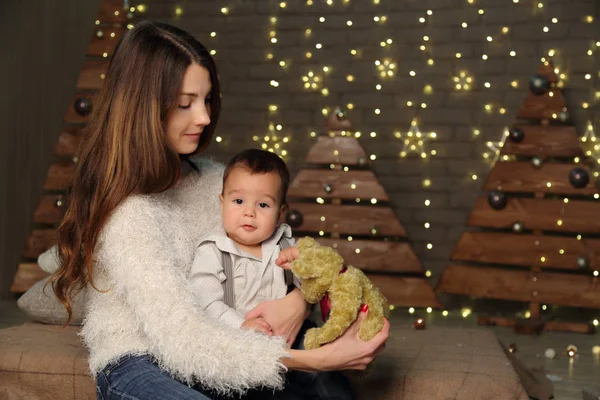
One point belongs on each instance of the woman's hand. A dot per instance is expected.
(285, 316)
(259, 325)
(349, 351)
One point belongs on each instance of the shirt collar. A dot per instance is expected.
(224, 243)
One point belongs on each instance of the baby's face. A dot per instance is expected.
(250, 205)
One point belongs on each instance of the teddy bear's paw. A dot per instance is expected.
(311, 339)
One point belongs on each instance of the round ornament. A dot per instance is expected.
(419, 324)
(582, 262)
(497, 200)
(579, 178)
(328, 188)
(563, 117)
(537, 162)
(539, 84)
(294, 218)
(516, 135)
(550, 353)
(83, 106)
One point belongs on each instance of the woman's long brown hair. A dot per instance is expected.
(125, 149)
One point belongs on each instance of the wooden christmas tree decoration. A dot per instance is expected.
(111, 24)
(338, 200)
(539, 218)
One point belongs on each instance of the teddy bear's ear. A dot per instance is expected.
(306, 243)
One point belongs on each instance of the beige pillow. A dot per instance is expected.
(41, 305)
(49, 261)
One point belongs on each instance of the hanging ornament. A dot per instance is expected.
(99, 34)
(512, 348)
(419, 324)
(550, 353)
(582, 262)
(516, 135)
(497, 200)
(537, 162)
(539, 84)
(571, 350)
(517, 227)
(339, 113)
(579, 178)
(83, 106)
(374, 231)
(328, 188)
(563, 117)
(414, 140)
(294, 218)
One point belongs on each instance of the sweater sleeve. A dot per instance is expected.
(136, 253)
(206, 279)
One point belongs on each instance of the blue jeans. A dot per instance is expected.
(301, 385)
(139, 378)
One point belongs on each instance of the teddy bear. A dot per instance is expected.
(323, 274)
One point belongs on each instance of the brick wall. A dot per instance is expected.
(242, 43)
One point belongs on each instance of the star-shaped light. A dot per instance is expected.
(414, 140)
(496, 147)
(273, 141)
(590, 143)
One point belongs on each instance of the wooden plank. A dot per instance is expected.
(50, 209)
(91, 75)
(575, 216)
(72, 116)
(525, 250)
(547, 70)
(111, 11)
(347, 219)
(104, 40)
(545, 141)
(337, 150)
(543, 106)
(376, 255)
(405, 292)
(60, 175)
(28, 274)
(39, 240)
(503, 284)
(68, 141)
(345, 185)
(525, 177)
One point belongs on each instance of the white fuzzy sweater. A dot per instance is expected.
(143, 256)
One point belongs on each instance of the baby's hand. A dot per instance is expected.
(258, 324)
(286, 256)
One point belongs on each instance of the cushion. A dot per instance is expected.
(49, 261)
(40, 361)
(41, 305)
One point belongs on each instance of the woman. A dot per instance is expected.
(137, 207)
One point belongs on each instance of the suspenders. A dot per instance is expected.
(228, 291)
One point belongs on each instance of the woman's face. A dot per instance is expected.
(192, 113)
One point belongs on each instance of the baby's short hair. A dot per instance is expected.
(261, 162)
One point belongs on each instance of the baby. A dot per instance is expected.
(255, 184)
